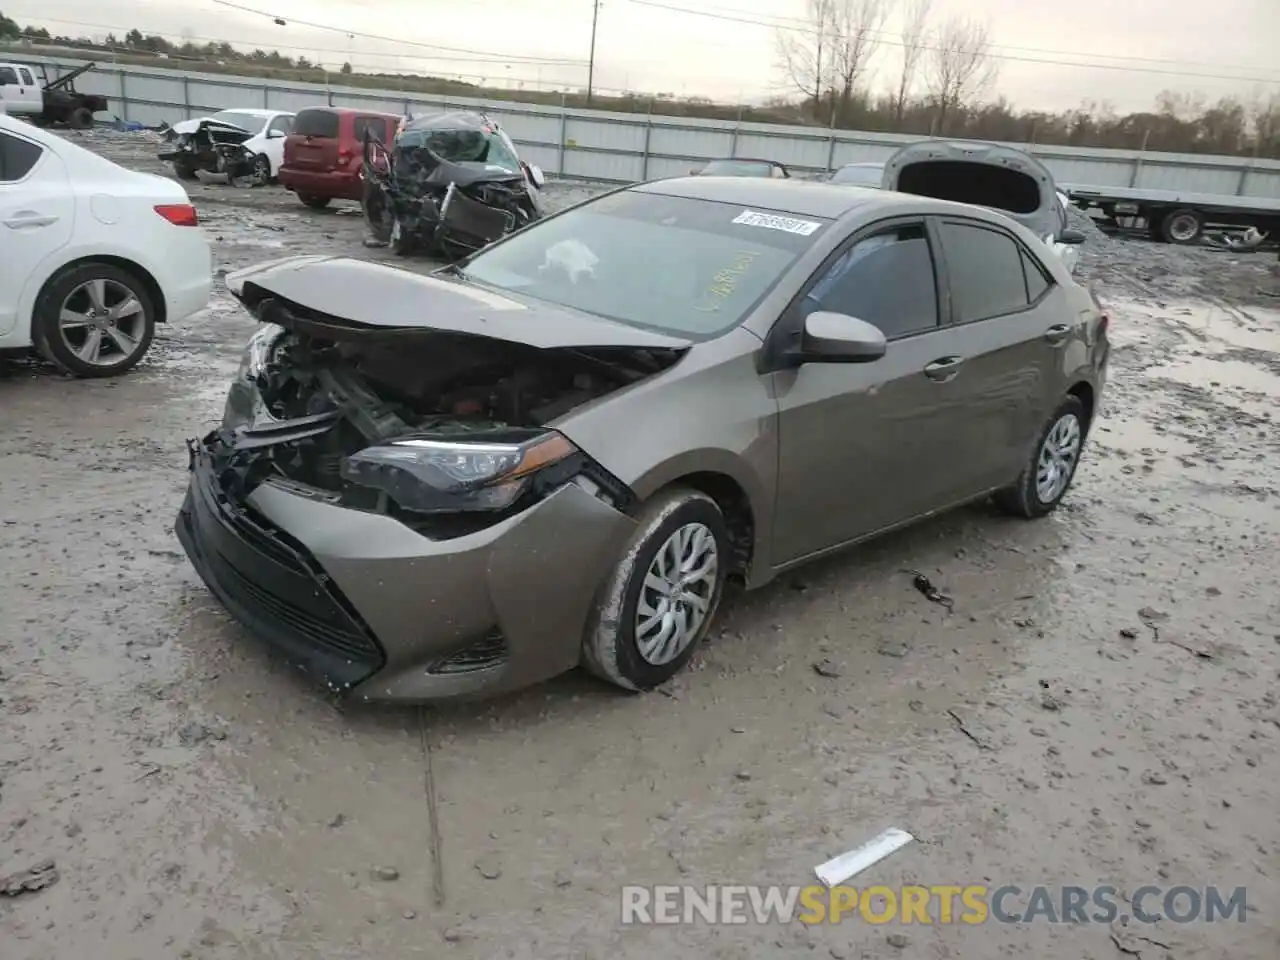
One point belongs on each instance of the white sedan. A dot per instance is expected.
(92, 256)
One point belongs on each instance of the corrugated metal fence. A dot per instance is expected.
(623, 147)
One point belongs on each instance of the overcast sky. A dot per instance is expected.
(1157, 44)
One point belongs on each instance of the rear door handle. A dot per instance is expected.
(943, 369)
(29, 220)
(1057, 333)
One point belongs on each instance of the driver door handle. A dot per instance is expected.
(1057, 333)
(29, 218)
(943, 369)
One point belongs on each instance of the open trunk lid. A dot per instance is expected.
(984, 174)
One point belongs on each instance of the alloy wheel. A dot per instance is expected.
(677, 592)
(1058, 457)
(102, 322)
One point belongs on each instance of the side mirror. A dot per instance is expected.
(839, 338)
(1072, 237)
(536, 175)
(275, 134)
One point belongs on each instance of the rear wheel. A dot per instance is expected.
(94, 320)
(1182, 227)
(659, 601)
(314, 202)
(1045, 479)
(81, 118)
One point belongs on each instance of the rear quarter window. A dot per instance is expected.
(17, 157)
(316, 123)
(1038, 283)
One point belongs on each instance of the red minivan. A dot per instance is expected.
(324, 153)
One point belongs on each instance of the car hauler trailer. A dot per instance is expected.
(1177, 217)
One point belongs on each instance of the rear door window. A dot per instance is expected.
(26, 76)
(985, 269)
(886, 279)
(282, 124)
(316, 123)
(17, 157)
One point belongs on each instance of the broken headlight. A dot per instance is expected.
(243, 400)
(451, 476)
(258, 351)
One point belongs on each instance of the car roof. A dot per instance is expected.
(810, 198)
(862, 163)
(353, 110)
(776, 163)
(255, 111)
(821, 198)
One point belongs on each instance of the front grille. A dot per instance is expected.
(346, 643)
(489, 651)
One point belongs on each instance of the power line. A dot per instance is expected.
(770, 20)
(925, 46)
(410, 43)
(490, 58)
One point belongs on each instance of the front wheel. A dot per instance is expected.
(258, 175)
(1044, 481)
(184, 170)
(94, 320)
(658, 603)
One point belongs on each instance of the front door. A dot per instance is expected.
(858, 441)
(36, 212)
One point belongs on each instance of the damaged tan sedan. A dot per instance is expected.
(558, 451)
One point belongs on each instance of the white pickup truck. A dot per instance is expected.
(20, 94)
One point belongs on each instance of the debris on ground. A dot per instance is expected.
(839, 869)
(926, 587)
(43, 874)
(825, 668)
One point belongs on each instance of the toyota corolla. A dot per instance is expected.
(558, 451)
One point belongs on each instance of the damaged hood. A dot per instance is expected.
(194, 124)
(342, 293)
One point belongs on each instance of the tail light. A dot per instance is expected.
(345, 154)
(179, 214)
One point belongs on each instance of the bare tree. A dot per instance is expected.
(856, 26)
(805, 54)
(959, 67)
(915, 21)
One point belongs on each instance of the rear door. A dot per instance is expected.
(314, 143)
(379, 128)
(36, 213)
(859, 441)
(1006, 311)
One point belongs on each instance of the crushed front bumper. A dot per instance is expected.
(373, 608)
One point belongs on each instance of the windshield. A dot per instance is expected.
(860, 175)
(474, 147)
(246, 121)
(737, 168)
(693, 268)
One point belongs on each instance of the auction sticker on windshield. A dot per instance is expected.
(771, 221)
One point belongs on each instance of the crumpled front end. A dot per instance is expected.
(212, 147)
(422, 202)
(393, 510)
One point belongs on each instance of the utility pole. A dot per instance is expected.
(591, 63)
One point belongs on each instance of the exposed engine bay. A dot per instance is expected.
(214, 147)
(318, 395)
(450, 184)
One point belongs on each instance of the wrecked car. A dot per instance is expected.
(558, 450)
(247, 146)
(859, 174)
(989, 175)
(449, 184)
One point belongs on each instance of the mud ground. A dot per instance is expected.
(1099, 706)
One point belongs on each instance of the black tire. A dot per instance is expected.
(314, 202)
(376, 212)
(184, 170)
(47, 329)
(1023, 498)
(403, 244)
(610, 650)
(259, 174)
(81, 118)
(1182, 227)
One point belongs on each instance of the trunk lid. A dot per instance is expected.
(983, 174)
(345, 298)
(313, 144)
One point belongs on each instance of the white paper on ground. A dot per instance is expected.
(839, 869)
